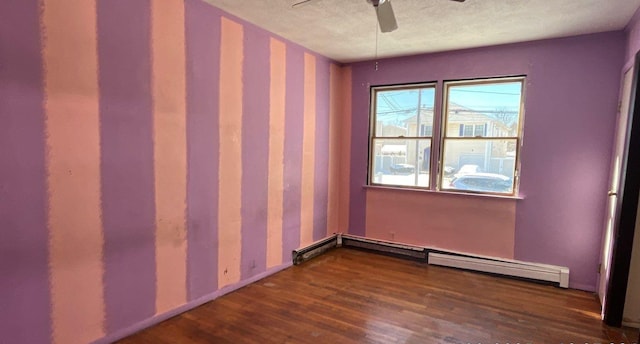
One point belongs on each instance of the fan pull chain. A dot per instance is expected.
(376, 53)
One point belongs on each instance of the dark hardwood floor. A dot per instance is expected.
(349, 296)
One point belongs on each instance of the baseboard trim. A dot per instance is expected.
(137, 327)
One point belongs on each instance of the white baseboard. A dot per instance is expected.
(540, 272)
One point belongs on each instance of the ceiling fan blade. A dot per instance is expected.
(302, 3)
(386, 18)
(458, 0)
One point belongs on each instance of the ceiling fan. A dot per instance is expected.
(384, 11)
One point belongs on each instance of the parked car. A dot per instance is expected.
(467, 169)
(448, 170)
(488, 182)
(401, 168)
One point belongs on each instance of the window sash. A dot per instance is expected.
(493, 135)
(514, 179)
(418, 163)
(374, 105)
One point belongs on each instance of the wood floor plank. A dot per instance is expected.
(350, 296)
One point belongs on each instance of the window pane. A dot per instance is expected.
(401, 162)
(479, 165)
(426, 130)
(491, 109)
(468, 130)
(396, 111)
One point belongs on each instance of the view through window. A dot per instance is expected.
(478, 131)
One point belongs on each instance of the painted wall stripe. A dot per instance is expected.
(73, 166)
(24, 285)
(358, 163)
(230, 176)
(293, 151)
(321, 172)
(202, 30)
(126, 116)
(333, 205)
(278, 77)
(255, 151)
(308, 151)
(170, 152)
(345, 143)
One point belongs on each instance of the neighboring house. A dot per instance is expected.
(383, 129)
(491, 156)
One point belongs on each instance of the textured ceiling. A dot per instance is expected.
(345, 30)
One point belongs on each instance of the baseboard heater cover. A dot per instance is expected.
(385, 247)
(540, 272)
(317, 248)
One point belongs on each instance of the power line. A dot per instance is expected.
(487, 92)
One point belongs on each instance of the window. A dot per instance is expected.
(401, 136)
(426, 130)
(472, 130)
(482, 135)
(477, 135)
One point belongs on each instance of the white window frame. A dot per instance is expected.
(418, 138)
(445, 123)
(439, 133)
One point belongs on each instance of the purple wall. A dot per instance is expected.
(202, 31)
(24, 272)
(255, 151)
(126, 131)
(570, 105)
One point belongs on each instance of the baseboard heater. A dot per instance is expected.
(317, 248)
(433, 256)
(539, 272)
(385, 247)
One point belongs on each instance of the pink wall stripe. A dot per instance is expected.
(230, 176)
(202, 30)
(170, 152)
(126, 131)
(333, 205)
(255, 151)
(479, 225)
(321, 171)
(308, 151)
(294, 107)
(24, 281)
(345, 144)
(73, 165)
(278, 71)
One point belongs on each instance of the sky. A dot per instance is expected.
(399, 104)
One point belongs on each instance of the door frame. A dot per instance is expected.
(626, 209)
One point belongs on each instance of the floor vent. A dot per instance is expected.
(384, 247)
(317, 248)
(539, 272)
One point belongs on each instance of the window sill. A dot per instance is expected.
(442, 192)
